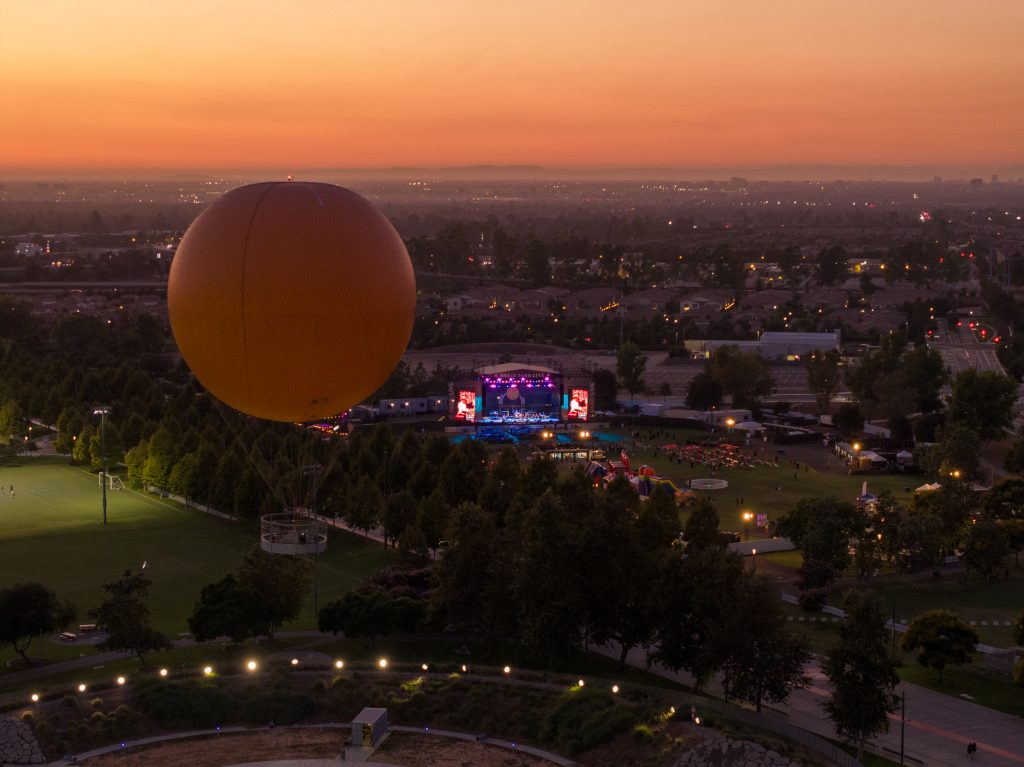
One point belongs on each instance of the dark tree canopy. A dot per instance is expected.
(983, 401)
(29, 611)
(861, 671)
(125, 617)
(630, 364)
(941, 639)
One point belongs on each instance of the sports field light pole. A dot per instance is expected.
(102, 413)
(313, 470)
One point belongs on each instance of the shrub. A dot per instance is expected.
(643, 734)
(280, 706)
(585, 718)
(187, 704)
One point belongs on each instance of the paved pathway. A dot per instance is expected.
(938, 726)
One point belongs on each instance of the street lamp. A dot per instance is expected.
(314, 470)
(748, 517)
(102, 412)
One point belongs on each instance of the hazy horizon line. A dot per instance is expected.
(536, 172)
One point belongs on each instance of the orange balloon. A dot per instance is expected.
(291, 301)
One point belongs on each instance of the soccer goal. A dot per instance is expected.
(113, 481)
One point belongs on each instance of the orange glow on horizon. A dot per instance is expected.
(318, 84)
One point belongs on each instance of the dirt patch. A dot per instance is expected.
(400, 748)
(220, 750)
(435, 751)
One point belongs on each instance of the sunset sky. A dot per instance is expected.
(307, 84)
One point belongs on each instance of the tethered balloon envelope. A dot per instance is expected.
(291, 301)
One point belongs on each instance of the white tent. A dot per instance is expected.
(903, 457)
(749, 426)
(929, 488)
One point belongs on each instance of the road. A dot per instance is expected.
(961, 351)
(937, 731)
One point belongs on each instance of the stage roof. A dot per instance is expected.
(513, 367)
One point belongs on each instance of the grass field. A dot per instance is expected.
(766, 489)
(52, 532)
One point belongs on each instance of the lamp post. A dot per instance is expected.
(313, 470)
(102, 412)
(748, 517)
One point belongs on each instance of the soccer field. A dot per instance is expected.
(51, 531)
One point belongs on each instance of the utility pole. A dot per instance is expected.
(102, 412)
(313, 471)
(903, 725)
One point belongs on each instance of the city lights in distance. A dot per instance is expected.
(339, 664)
(615, 689)
(251, 665)
(35, 697)
(207, 670)
(295, 661)
(121, 680)
(424, 667)
(507, 670)
(82, 688)
(163, 672)
(383, 663)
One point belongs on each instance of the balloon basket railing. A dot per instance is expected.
(294, 532)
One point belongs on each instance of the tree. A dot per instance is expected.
(942, 639)
(697, 593)
(1014, 460)
(983, 401)
(11, 421)
(606, 389)
(125, 617)
(703, 392)
(370, 613)
(622, 555)
(160, 458)
(861, 671)
(135, 460)
(832, 264)
(765, 661)
(849, 419)
(399, 513)
(548, 585)
(105, 448)
(702, 528)
(465, 566)
(222, 610)
(277, 585)
(744, 376)
(30, 610)
(822, 528)
(956, 453)
(823, 376)
(630, 363)
(986, 547)
(925, 374)
(1017, 632)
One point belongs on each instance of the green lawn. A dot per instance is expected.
(766, 489)
(972, 600)
(983, 687)
(51, 532)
